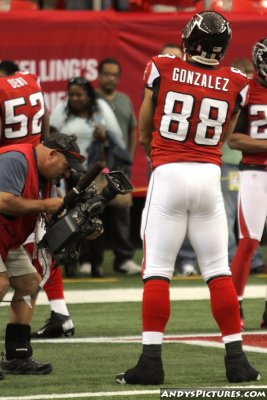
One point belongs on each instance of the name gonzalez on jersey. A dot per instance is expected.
(199, 79)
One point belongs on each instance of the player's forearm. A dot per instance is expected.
(247, 144)
(145, 142)
(146, 121)
(230, 129)
(145, 134)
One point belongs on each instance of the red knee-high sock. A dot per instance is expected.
(29, 247)
(224, 305)
(54, 286)
(156, 305)
(241, 263)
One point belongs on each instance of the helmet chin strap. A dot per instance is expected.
(206, 61)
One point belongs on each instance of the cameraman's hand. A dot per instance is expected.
(95, 234)
(97, 226)
(100, 133)
(52, 204)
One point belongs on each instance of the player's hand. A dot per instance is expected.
(52, 204)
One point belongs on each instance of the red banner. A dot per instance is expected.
(57, 45)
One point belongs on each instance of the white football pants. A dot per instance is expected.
(252, 204)
(185, 198)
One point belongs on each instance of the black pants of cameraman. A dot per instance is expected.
(117, 236)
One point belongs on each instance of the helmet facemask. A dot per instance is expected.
(259, 58)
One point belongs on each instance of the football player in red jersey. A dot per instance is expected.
(250, 137)
(24, 119)
(190, 106)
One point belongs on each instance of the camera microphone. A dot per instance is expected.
(89, 177)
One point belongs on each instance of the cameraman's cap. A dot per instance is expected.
(67, 145)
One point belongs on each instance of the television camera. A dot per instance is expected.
(78, 216)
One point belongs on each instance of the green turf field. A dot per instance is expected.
(85, 368)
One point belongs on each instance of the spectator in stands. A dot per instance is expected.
(78, 4)
(88, 117)
(118, 5)
(119, 218)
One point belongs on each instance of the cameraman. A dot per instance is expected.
(60, 322)
(25, 176)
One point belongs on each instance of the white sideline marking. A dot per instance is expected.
(81, 395)
(135, 338)
(203, 343)
(109, 394)
(135, 294)
(167, 339)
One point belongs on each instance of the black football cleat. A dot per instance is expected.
(147, 372)
(25, 366)
(56, 326)
(238, 369)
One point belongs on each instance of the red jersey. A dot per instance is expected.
(193, 107)
(15, 230)
(256, 117)
(22, 108)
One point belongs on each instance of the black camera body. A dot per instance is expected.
(81, 206)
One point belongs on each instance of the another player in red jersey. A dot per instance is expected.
(25, 119)
(190, 106)
(250, 137)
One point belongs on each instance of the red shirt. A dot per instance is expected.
(256, 115)
(21, 109)
(194, 106)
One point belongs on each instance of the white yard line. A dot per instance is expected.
(111, 394)
(182, 339)
(135, 294)
(82, 395)
(136, 338)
